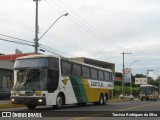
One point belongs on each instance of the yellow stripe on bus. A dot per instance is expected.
(93, 94)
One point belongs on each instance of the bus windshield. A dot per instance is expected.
(31, 79)
(145, 90)
(32, 62)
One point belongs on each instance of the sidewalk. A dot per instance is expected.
(123, 100)
(8, 104)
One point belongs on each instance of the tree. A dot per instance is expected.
(139, 75)
(153, 82)
(118, 74)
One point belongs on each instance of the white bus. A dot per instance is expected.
(50, 80)
(148, 92)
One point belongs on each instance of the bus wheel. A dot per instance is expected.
(101, 100)
(31, 107)
(59, 102)
(105, 99)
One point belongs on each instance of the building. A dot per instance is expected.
(118, 79)
(6, 73)
(6, 69)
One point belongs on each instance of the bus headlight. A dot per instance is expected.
(40, 100)
(12, 100)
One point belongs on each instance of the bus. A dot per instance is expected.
(149, 92)
(56, 81)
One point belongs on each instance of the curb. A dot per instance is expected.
(123, 100)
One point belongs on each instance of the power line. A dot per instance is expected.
(28, 43)
(88, 27)
(83, 24)
(14, 21)
(15, 38)
(49, 49)
(16, 42)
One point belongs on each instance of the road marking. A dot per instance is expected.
(130, 108)
(123, 109)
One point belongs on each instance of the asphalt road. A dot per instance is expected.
(91, 112)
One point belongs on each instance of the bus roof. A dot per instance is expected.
(36, 56)
(85, 64)
(148, 85)
(67, 59)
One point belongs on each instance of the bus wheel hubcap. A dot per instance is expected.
(59, 102)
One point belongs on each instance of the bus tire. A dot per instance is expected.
(101, 100)
(105, 99)
(59, 102)
(31, 107)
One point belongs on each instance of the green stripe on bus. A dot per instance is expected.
(79, 89)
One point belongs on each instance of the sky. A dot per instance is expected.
(98, 29)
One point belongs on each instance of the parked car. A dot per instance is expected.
(121, 96)
(5, 92)
(129, 97)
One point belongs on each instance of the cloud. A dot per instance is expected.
(100, 29)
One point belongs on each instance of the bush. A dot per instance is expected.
(118, 90)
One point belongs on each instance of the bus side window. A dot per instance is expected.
(53, 63)
(93, 73)
(66, 68)
(110, 77)
(85, 72)
(100, 75)
(76, 70)
(106, 76)
(53, 77)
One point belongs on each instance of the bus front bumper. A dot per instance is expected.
(25, 100)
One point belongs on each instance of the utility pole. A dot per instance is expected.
(36, 45)
(123, 73)
(159, 84)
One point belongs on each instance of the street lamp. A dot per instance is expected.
(48, 30)
(66, 14)
(133, 63)
(36, 44)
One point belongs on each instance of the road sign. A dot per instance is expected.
(139, 81)
(127, 75)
